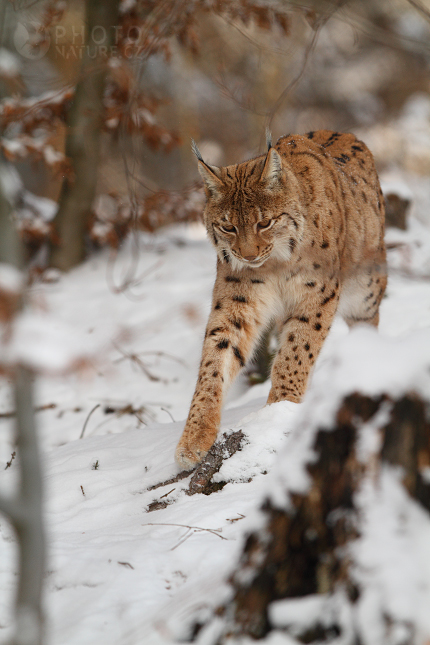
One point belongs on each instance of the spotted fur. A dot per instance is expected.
(299, 235)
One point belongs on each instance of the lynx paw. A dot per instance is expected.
(188, 458)
(194, 445)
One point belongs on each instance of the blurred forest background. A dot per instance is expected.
(101, 99)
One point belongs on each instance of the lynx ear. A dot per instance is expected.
(209, 174)
(272, 171)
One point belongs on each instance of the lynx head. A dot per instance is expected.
(253, 211)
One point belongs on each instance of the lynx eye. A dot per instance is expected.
(264, 223)
(228, 228)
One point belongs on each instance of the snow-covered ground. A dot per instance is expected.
(132, 328)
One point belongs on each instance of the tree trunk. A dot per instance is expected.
(83, 138)
(24, 510)
(28, 521)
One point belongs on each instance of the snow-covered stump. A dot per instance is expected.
(341, 550)
(302, 549)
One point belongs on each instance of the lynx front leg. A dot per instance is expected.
(301, 340)
(242, 306)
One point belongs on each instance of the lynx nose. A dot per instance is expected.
(250, 258)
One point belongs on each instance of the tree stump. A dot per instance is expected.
(300, 551)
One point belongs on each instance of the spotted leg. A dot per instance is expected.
(302, 336)
(242, 307)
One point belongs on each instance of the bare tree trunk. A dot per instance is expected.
(24, 509)
(83, 139)
(29, 523)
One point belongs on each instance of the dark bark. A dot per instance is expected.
(221, 450)
(407, 444)
(83, 140)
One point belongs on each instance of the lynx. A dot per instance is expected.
(299, 236)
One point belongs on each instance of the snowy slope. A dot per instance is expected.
(118, 574)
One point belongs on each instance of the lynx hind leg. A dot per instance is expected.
(362, 295)
(302, 337)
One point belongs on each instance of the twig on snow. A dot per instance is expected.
(9, 463)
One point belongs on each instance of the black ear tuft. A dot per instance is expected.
(268, 138)
(196, 151)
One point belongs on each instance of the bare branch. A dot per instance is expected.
(87, 419)
(191, 528)
(419, 7)
(221, 450)
(9, 463)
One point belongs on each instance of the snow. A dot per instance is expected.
(9, 64)
(119, 573)
(392, 560)
(43, 344)
(35, 205)
(395, 186)
(302, 611)
(10, 182)
(11, 279)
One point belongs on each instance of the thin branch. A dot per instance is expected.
(183, 539)
(173, 480)
(167, 494)
(140, 419)
(134, 358)
(87, 419)
(126, 564)
(9, 463)
(382, 36)
(130, 280)
(269, 115)
(164, 354)
(167, 412)
(185, 526)
(231, 94)
(419, 7)
(281, 98)
(39, 408)
(255, 43)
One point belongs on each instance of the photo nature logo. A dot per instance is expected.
(31, 39)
